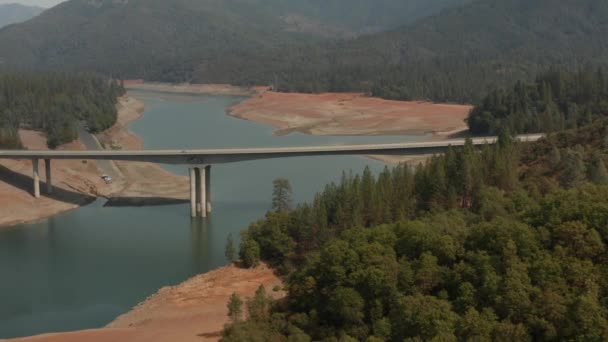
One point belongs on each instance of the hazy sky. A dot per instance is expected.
(43, 3)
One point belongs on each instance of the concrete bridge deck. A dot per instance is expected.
(202, 160)
(219, 156)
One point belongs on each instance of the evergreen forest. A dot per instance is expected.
(555, 101)
(503, 243)
(56, 104)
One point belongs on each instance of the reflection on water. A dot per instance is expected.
(83, 268)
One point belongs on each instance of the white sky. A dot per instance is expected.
(42, 3)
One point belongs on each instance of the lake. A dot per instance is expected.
(81, 269)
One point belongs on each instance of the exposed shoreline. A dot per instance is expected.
(76, 183)
(350, 114)
(187, 88)
(195, 310)
(314, 114)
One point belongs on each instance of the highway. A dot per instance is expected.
(106, 167)
(219, 156)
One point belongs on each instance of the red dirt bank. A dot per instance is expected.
(350, 114)
(192, 311)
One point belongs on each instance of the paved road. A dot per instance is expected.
(106, 167)
(219, 156)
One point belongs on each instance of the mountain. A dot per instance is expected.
(16, 13)
(181, 39)
(363, 16)
(442, 50)
(457, 54)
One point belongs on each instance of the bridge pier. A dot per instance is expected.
(36, 178)
(193, 211)
(201, 205)
(208, 188)
(49, 184)
(200, 185)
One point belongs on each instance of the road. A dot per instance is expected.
(106, 167)
(219, 156)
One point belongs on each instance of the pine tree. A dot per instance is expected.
(574, 169)
(281, 195)
(597, 170)
(230, 250)
(258, 307)
(555, 157)
(249, 252)
(235, 308)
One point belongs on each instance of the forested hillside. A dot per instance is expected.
(361, 16)
(555, 101)
(56, 104)
(16, 13)
(506, 244)
(228, 41)
(445, 50)
(151, 39)
(459, 54)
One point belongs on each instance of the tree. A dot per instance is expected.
(424, 317)
(574, 169)
(597, 170)
(230, 251)
(281, 195)
(258, 307)
(346, 306)
(476, 326)
(235, 308)
(249, 252)
(555, 157)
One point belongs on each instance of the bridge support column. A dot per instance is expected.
(208, 188)
(47, 168)
(201, 206)
(36, 178)
(193, 211)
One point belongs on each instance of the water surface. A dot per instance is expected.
(81, 269)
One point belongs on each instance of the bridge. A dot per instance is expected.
(200, 161)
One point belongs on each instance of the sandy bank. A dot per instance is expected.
(78, 182)
(194, 310)
(188, 88)
(141, 181)
(353, 114)
(75, 183)
(350, 114)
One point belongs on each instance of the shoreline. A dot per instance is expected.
(350, 114)
(176, 312)
(194, 310)
(192, 88)
(78, 183)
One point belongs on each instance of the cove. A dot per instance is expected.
(81, 269)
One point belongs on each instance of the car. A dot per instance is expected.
(107, 179)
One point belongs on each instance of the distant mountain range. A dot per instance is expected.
(460, 53)
(448, 50)
(17, 13)
(175, 40)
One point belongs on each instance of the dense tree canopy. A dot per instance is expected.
(555, 101)
(55, 103)
(501, 243)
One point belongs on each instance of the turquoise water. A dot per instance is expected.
(83, 268)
